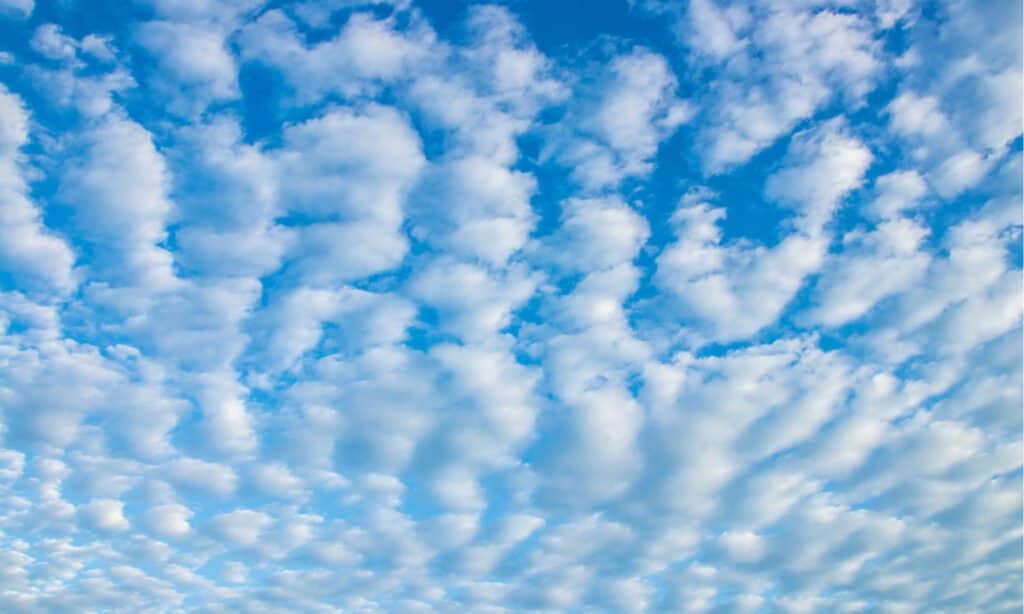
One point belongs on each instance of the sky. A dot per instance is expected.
(537, 306)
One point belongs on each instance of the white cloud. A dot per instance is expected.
(354, 195)
(384, 158)
(959, 172)
(227, 424)
(210, 477)
(49, 42)
(739, 288)
(204, 9)
(475, 206)
(105, 515)
(713, 30)
(195, 58)
(274, 479)
(897, 191)
(77, 88)
(117, 188)
(477, 302)
(169, 520)
(364, 55)
(229, 197)
(825, 165)
(17, 8)
(622, 121)
(98, 46)
(27, 249)
(235, 573)
(742, 546)
(872, 266)
(779, 66)
(241, 527)
(598, 234)
(913, 115)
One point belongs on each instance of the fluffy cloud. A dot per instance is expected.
(193, 57)
(622, 121)
(27, 248)
(105, 515)
(364, 55)
(240, 528)
(739, 288)
(117, 188)
(168, 520)
(779, 65)
(17, 8)
(387, 306)
(352, 197)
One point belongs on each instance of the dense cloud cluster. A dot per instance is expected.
(345, 306)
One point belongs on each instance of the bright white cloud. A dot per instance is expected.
(240, 528)
(622, 121)
(196, 57)
(117, 188)
(739, 288)
(365, 54)
(105, 515)
(171, 520)
(27, 248)
(779, 65)
(353, 196)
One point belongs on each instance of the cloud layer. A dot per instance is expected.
(344, 306)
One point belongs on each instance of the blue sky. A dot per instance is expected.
(612, 306)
